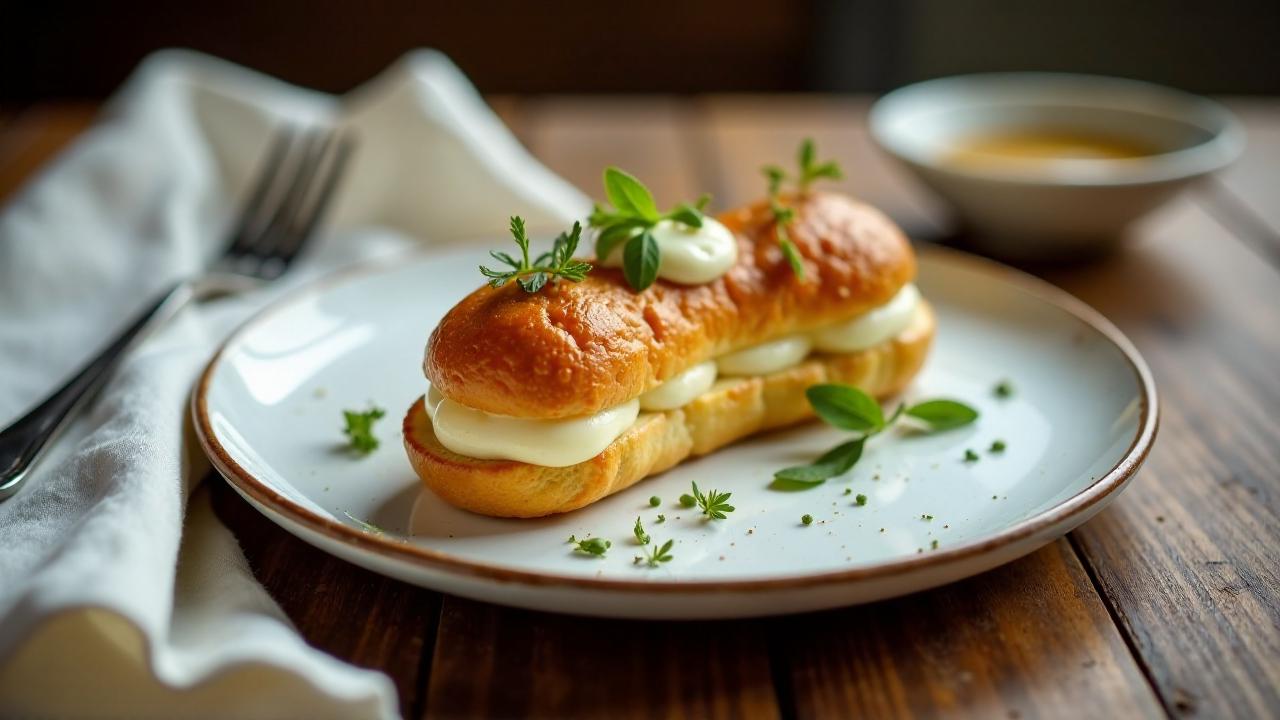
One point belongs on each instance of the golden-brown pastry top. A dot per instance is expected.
(575, 349)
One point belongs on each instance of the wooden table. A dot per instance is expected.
(1168, 603)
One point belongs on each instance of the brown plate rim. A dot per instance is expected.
(1079, 504)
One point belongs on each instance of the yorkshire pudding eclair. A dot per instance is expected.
(544, 402)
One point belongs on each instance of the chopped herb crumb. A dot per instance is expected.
(970, 455)
(848, 491)
(593, 546)
(806, 519)
(1003, 389)
(933, 545)
(688, 500)
(655, 501)
(860, 500)
(359, 429)
(661, 519)
(655, 554)
(926, 517)
(997, 446)
(714, 504)
(641, 536)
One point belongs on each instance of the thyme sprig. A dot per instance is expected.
(714, 504)
(809, 171)
(555, 264)
(655, 554)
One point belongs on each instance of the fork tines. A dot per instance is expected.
(292, 190)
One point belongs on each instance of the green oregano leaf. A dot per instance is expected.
(942, 414)
(640, 260)
(846, 407)
(628, 194)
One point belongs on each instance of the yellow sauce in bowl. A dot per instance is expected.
(1022, 147)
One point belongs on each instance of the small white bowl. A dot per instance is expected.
(1054, 209)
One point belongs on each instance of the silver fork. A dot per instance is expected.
(292, 190)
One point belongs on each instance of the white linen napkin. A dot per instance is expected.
(121, 595)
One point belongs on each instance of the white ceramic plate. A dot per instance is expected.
(268, 411)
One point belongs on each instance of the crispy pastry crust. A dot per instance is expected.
(575, 349)
(733, 409)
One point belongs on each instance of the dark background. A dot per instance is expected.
(84, 50)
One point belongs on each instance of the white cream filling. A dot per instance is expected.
(870, 328)
(765, 358)
(688, 255)
(559, 443)
(681, 389)
(550, 443)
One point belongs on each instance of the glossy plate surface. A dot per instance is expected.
(1082, 418)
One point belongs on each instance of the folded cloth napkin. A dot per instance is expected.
(121, 594)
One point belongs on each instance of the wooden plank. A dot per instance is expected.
(1187, 557)
(744, 133)
(649, 137)
(499, 662)
(508, 109)
(1029, 639)
(34, 136)
(7, 113)
(359, 616)
(1034, 659)
(1244, 197)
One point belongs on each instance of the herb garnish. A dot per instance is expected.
(630, 220)
(688, 500)
(359, 429)
(592, 546)
(848, 408)
(970, 456)
(557, 264)
(655, 501)
(810, 170)
(782, 217)
(661, 519)
(806, 519)
(713, 503)
(860, 500)
(997, 446)
(655, 554)
(942, 414)
(642, 537)
(1003, 389)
